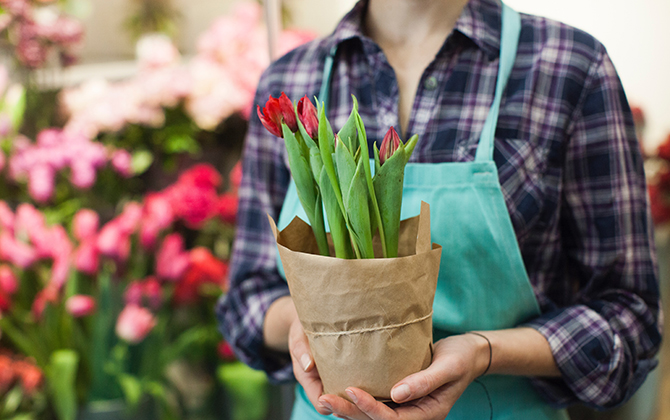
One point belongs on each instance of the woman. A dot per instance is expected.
(562, 288)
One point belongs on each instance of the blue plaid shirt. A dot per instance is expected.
(569, 166)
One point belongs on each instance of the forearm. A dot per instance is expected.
(520, 351)
(278, 319)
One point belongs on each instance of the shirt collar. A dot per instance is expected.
(479, 21)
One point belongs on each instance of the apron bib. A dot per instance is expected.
(482, 284)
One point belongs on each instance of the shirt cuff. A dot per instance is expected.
(597, 368)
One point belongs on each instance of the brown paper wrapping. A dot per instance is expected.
(369, 322)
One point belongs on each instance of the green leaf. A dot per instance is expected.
(365, 157)
(12, 401)
(409, 146)
(132, 389)
(141, 161)
(348, 133)
(346, 168)
(62, 374)
(326, 139)
(338, 227)
(305, 187)
(388, 183)
(247, 389)
(180, 143)
(358, 211)
(311, 144)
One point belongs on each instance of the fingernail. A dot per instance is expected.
(400, 393)
(351, 395)
(324, 405)
(305, 361)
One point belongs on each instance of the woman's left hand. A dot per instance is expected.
(426, 395)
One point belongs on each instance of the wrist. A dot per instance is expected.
(277, 322)
(483, 353)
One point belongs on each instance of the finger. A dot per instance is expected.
(299, 346)
(311, 383)
(342, 408)
(446, 367)
(374, 409)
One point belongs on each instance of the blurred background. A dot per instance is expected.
(121, 128)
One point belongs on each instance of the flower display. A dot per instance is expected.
(36, 29)
(117, 212)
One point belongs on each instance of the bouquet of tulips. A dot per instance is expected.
(368, 312)
(332, 171)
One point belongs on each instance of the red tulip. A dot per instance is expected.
(134, 323)
(287, 112)
(31, 376)
(276, 111)
(308, 117)
(80, 305)
(390, 144)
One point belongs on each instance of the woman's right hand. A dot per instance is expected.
(304, 368)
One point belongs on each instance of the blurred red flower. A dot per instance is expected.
(204, 268)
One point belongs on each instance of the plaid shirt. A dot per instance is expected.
(569, 165)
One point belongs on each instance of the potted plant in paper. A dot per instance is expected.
(350, 285)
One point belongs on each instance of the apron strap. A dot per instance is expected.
(509, 40)
(324, 92)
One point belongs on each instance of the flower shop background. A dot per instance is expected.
(121, 123)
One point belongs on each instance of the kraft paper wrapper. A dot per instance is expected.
(368, 321)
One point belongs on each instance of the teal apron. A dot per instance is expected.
(483, 284)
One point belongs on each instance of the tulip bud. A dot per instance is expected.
(134, 323)
(287, 112)
(390, 144)
(308, 117)
(276, 111)
(80, 305)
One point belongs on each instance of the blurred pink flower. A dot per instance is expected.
(157, 216)
(2, 154)
(41, 179)
(109, 239)
(47, 295)
(130, 218)
(8, 281)
(82, 174)
(86, 258)
(85, 224)
(80, 305)
(121, 162)
(171, 259)
(155, 51)
(16, 252)
(134, 323)
(6, 218)
(149, 289)
(134, 293)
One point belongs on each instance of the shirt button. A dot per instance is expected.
(430, 83)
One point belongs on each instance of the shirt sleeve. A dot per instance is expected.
(254, 280)
(604, 344)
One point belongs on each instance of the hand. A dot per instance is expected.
(425, 395)
(304, 368)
